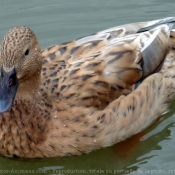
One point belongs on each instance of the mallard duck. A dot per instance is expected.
(80, 96)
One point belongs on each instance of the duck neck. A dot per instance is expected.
(28, 88)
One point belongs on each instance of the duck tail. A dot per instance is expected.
(150, 60)
(166, 21)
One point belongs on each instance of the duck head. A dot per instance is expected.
(20, 59)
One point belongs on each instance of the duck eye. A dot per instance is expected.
(26, 52)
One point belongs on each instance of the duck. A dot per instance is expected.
(86, 94)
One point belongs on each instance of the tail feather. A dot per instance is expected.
(166, 21)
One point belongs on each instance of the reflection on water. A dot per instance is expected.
(59, 21)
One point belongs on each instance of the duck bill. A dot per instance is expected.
(8, 89)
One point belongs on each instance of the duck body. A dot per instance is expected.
(79, 96)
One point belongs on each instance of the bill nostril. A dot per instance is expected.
(10, 83)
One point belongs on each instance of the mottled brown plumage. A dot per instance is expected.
(81, 97)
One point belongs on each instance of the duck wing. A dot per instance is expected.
(86, 46)
(112, 71)
(82, 48)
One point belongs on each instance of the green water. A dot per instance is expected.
(57, 21)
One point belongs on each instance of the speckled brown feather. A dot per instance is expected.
(85, 102)
(109, 72)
